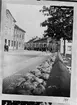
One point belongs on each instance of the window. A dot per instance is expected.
(12, 43)
(69, 48)
(44, 45)
(8, 42)
(22, 36)
(19, 44)
(17, 35)
(70, 41)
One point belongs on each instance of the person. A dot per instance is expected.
(5, 47)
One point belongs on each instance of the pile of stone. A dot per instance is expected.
(33, 82)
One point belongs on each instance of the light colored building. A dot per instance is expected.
(13, 34)
(68, 47)
(19, 35)
(9, 29)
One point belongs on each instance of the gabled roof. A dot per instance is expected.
(16, 26)
(41, 39)
(7, 10)
(37, 38)
(32, 40)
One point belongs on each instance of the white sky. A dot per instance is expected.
(28, 18)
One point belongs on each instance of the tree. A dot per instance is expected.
(59, 22)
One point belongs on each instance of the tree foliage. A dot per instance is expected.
(59, 22)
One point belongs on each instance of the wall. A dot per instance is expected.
(68, 47)
(19, 39)
(9, 29)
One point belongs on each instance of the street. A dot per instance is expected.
(22, 61)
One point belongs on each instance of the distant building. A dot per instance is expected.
(36, 43)
(19, 35)
(9, 29)
(42, 44)
(13, 34)
(29, 45)
(68, 47)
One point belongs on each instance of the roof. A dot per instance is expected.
(41, 39)
(10, 14)
(32, 40)
(16, 26)
(37, 39)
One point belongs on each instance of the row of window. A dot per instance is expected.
(38, 44)
(12, 43)
(19, 36)
(9, 43)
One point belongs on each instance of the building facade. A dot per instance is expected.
(42, 44)
(9, 29)
(19, 35)
(68, 47)
(13, 35)
(36, 44)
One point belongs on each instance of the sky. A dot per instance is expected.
(28, 18)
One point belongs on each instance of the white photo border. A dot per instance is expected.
(73, 95)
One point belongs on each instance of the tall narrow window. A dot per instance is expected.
(12, 43)
(8, 42)
(19, 44)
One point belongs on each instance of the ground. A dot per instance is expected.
(21, 61)
(29, 72)
(18, 63)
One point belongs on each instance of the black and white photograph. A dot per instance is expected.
(38, 50)
(13, 102)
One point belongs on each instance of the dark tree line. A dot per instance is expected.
(59, 22)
